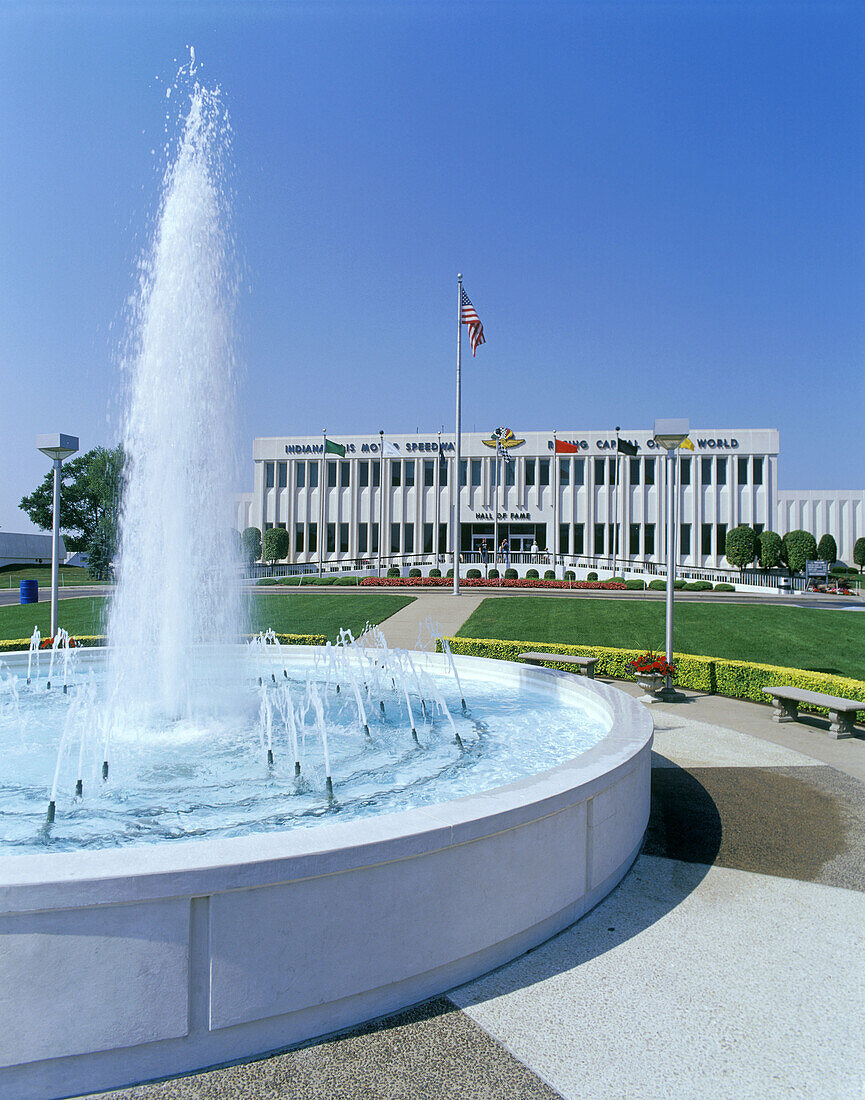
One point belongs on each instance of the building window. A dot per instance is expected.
(300, 474)
(634, 544)
(282, 474)
(600, 472)
(684, 471)
(759, 527)
(344, 474)
(394, 538)
(722, 539)
(635, 471)
(564, 471)
(313, 475)
(363, 472)
(742, 471)
(268, 475)
(429, 474)
(706, 472)
(443, 471)
(375, 470)
(706, 546)
(614, 465)
(649, 539)
(409, 472)
(684, 539)
(530, 472)
(362, 537)
(268, 526)
(579, 537)
(510, 471)
(721, 471)
(331, 538)
(758, 471)
(395, 472)
(464, 465)
(476, 473)
(443, 538)
(564, 538)
(408, 548)
(298, 538)
(544, 470)
(312, 537)
(427, 538)
(579, 471)
(343, 538)
(331, 475)
(649, 471)
(373, 547)
(600, 533)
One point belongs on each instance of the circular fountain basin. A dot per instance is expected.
(123, 964)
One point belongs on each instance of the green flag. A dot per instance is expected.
(331, 448)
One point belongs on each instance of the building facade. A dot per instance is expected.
(592, 502)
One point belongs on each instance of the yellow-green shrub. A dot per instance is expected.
(713, 675)
(9, 645)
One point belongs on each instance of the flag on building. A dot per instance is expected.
(686, 445)
(563, 448)
(469, 316)
(443, 462)
(331, 448)
(626, 447)
(389, 450)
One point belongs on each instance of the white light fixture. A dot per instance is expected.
(670, 434)
(57, 447)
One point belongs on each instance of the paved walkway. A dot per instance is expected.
(730, 962)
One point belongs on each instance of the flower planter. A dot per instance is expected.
(651, 682)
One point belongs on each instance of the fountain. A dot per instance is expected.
(248, 845)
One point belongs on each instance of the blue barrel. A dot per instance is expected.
(30, 591)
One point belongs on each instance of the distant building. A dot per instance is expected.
(18, 549)
(579, 504)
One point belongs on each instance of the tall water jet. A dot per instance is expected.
(178, 578)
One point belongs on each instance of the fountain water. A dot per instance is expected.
(518, 812)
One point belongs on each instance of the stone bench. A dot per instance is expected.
(787, 701)
(587, 664)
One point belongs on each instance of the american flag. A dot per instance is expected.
(469, 316)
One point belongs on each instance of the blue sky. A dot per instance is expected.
(657, 208)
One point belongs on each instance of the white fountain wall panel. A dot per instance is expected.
(121, 965)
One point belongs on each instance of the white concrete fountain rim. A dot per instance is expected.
(164, 870)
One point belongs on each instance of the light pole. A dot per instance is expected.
(669, 434)
(57, 447)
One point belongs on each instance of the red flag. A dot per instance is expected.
(563, 448)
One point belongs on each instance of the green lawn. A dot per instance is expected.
(316, 613)
(10, 576)
(826, 641)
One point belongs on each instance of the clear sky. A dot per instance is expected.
(658, 210)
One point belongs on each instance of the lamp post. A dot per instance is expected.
(57, 447)
(669, 434)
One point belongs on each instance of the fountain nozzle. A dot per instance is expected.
(49, 817)
(270, 758)
(104, 771)
(79, 788)
(328, 786)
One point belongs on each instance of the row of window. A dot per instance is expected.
(713, 539)
(337, 537)
(571, 472)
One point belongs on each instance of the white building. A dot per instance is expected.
(25, 549)
(573, 503)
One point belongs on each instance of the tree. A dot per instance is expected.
(827, 549)
(89, 489)
(797, 547)
(741, 546)
(859, 553)
(276, 543)
(250, 541)
(770, 550)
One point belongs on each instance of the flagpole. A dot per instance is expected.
(456, 525)
(321, 491)
(438, 485)
(495, 470)
(380, 498)
(616, 506)
(555, 500)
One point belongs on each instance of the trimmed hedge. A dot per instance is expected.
(493, 574)
(532, 575)
(549, 574)
(636, 584)
(480, 582)
(697, 586)
(415, 573)
(724, 587)
(657, 585)
(570, 575)
(473, 575)
(393, 572)
(591, 576)
(87, 641)
(511, 574)
(435, 572)
(715, 675)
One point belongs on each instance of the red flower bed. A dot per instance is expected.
(47, 643)
(475, 582)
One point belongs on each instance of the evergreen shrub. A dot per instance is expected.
(394, 571)
(723, 587)
(636, 584)
(473, 575)
(511, 574)
(435, 572)
(549, 575)
(533, 575)
(415, 573)
(570, 575)
(591, 576)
